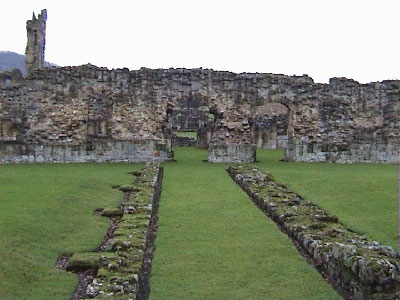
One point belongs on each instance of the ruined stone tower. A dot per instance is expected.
(36, 32)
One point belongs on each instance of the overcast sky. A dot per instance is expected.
(354, 39)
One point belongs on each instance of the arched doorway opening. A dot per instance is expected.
(270, 126)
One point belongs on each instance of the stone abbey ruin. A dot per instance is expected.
(88, 113)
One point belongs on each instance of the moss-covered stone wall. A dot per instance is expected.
(121, 268)
(358, 267)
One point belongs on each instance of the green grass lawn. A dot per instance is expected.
(46, 210)
(213, 243)
(363, 196)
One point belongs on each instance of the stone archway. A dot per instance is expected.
(270, 128)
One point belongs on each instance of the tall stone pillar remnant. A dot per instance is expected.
(36, 33)
(231, 140)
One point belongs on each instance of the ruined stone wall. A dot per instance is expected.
(9, 78)
(83, 114)
(187, 115)
(121, 266)
(271, 126)
(358, 267)
(346, 122)
(90, 113)
(36, 41)
(270, 132)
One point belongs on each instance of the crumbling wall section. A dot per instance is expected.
(10, 78)
(271, 126)
(85, 113)
(101, 114)
(355, 265)
(121, 267)
(347, 122)
(36, 41)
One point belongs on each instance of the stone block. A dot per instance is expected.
(232, 153)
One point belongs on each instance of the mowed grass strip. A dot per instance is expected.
(362, 196)
(46, 210)
(213, 243)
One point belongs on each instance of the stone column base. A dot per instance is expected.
(232, 153)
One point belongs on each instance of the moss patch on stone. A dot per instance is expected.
(121, 259)
(364, 265)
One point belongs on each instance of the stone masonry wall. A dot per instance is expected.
(358, 267)
(36, 41)
(347, 122)
(271, 126)
(83, 114)
(100, 114)
(121, 267)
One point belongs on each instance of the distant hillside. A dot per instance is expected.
(11, 60)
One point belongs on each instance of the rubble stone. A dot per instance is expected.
(88, 113)
(355, 265)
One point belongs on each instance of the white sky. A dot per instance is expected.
(354, 39)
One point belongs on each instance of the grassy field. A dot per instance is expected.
(363, 196)
(46, 210)
(213, 243)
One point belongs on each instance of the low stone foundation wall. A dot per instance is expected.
(204, 137)
(232, 153)
(121, 268)
(99, 151)
(355, 265)
(357, 151)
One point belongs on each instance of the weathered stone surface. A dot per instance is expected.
(123, 264)
(183, 141)
(356, 265)
(270, 126)
(36, 36)
(62, 116)
(10, 78)
(232, 153)
(343, 121)
(99, 151)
